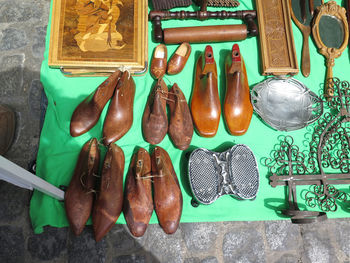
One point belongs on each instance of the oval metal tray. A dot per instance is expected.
(286, 104)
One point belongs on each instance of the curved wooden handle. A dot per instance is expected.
(305, 59)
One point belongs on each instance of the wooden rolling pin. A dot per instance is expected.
(203, 34)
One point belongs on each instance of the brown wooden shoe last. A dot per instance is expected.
(205, 103)
(155, 119)
(7, 128)
(138, 202)
(178, 61)
(238, 109)
(120, 113)
(79, 196)
(181, 125)
(159, 61)
(88, 112)
(167, 192)
(109, 200)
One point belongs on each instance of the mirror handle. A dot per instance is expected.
(329, 90)
(305, 59)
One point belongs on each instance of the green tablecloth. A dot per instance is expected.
(58, 151)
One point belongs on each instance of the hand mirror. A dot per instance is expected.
(331, 33)
(302, 12)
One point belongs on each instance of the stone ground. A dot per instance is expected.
(22, 34)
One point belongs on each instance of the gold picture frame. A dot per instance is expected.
(96, 37)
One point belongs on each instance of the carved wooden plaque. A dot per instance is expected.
(99, 35)
(276, 38)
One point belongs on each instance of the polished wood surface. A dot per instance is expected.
(120, 113)
(178, 60)
(88, 112)
(159, 61)
(205, 102)
(306, 31)
(205, 34)
(238, 109)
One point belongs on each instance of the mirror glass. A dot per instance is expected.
(331, 31)
(299, 5)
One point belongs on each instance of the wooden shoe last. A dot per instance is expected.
(109, 197)
(79, 196)
(120, 113)
(238, 109)
(205, 103)
(138, 202)
(180, 125)
(88, 112)
(167, 192)
(155, 119)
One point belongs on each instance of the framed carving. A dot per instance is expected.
(91, 37)
(331, 33)
(276, 38)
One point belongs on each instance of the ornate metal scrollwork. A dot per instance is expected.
(325, 198)
(329, 152)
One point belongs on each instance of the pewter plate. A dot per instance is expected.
(286, 104)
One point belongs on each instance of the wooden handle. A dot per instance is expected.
(305, 59)
(167, 15)
(252, 27)
(329, 90)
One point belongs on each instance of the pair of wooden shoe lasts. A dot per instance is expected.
(176, 63)
(108, 204)
(205, 103)
(120, 86)
(167, 197)
(155, 120)
(80, 199)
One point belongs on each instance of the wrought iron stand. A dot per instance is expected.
(329, 149)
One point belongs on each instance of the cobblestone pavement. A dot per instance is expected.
(22, 34)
